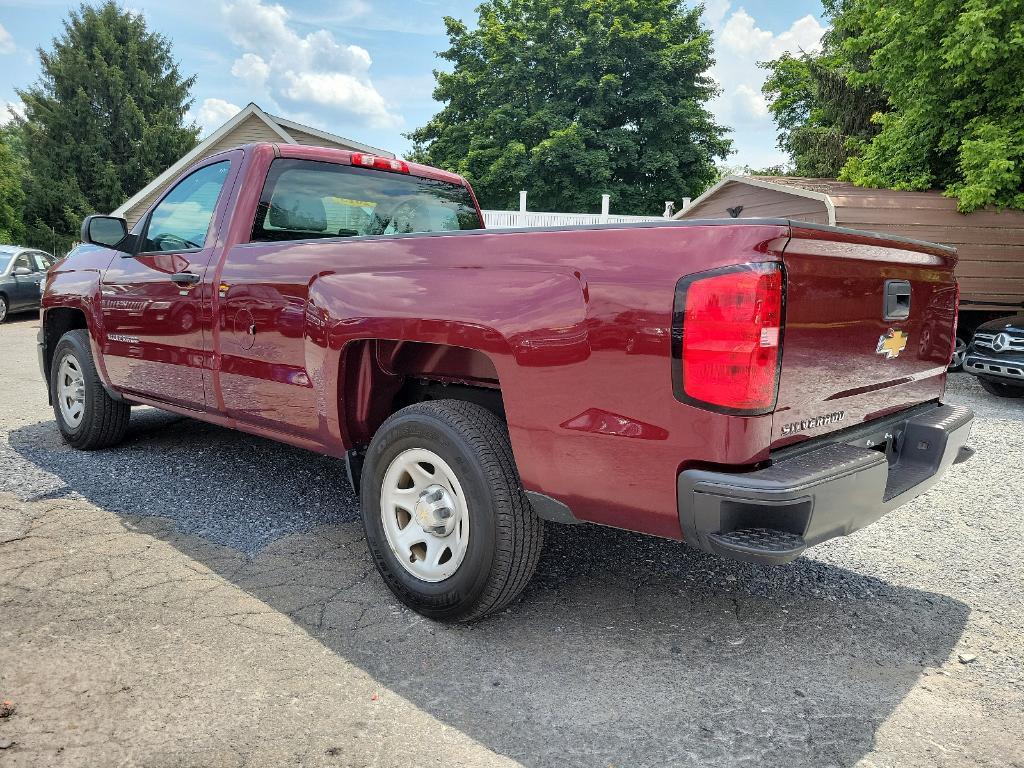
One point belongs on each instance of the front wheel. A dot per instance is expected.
(88, 418)
(3, 308)
(447, 522)
(1001, 390)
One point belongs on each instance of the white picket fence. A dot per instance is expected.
(525, 218)
(513, 219)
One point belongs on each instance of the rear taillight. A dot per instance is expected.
(380, 163)
(727, 328)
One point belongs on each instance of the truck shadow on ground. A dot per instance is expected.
(624, 649)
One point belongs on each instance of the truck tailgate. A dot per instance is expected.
(848, 353)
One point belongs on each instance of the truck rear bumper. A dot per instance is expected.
(822, 488)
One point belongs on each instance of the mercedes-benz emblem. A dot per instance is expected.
(1001, 343)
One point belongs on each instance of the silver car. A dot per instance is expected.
(22, 271)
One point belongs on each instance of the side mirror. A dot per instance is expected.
(21, 271)
(107, 231)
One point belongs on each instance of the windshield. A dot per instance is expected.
(305, 199)
(5, 260)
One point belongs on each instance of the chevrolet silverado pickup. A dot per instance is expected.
(750, 387)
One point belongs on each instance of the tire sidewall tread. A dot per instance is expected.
(105, 420)
(505, 533)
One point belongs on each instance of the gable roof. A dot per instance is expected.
(815, 189)
(278, 125)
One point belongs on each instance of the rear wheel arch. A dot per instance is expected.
(379, 377)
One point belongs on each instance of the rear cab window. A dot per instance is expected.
(304, 199)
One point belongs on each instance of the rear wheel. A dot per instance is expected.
(88, 418)
(447, 522)
(1001, 390)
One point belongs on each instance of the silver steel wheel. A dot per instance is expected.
(959, 353)
(3, 309)
(71, 391)
(424, 513)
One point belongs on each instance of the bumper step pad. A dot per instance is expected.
(759, 545)
(821, 488)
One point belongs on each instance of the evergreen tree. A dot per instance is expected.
(106, 116)
(12, 195)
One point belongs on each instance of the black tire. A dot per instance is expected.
(104, 420)
(506, 535)
(1001, 390)
(4, 308)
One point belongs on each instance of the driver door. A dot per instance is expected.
(155, 304)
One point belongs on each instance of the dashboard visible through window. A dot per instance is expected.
(307, 199)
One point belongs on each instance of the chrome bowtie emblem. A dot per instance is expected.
(891, 344)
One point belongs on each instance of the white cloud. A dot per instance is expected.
(741, 36)
(750, 100)
(739, 45)
(213, 113)
(251, 68)
(6, 41)
(17, 107)
(314, 70)
(714, 12)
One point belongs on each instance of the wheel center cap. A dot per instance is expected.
(435, 511)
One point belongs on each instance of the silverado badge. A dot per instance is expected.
(808, 424)
(891, 344)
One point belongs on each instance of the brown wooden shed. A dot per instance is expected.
(990, 243)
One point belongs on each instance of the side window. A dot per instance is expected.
(308, 199)
(181, 220)
(23, 261)
(43, 261)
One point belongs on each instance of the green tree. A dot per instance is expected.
(105, 117)
(572, 98)
(821, 116)
(12, 180)
(952, 74)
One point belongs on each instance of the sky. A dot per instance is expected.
(362, 68)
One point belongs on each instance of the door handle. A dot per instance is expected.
(185, 278)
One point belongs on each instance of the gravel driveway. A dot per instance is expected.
(198, 597)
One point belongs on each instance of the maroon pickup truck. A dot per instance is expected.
(750, 387)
